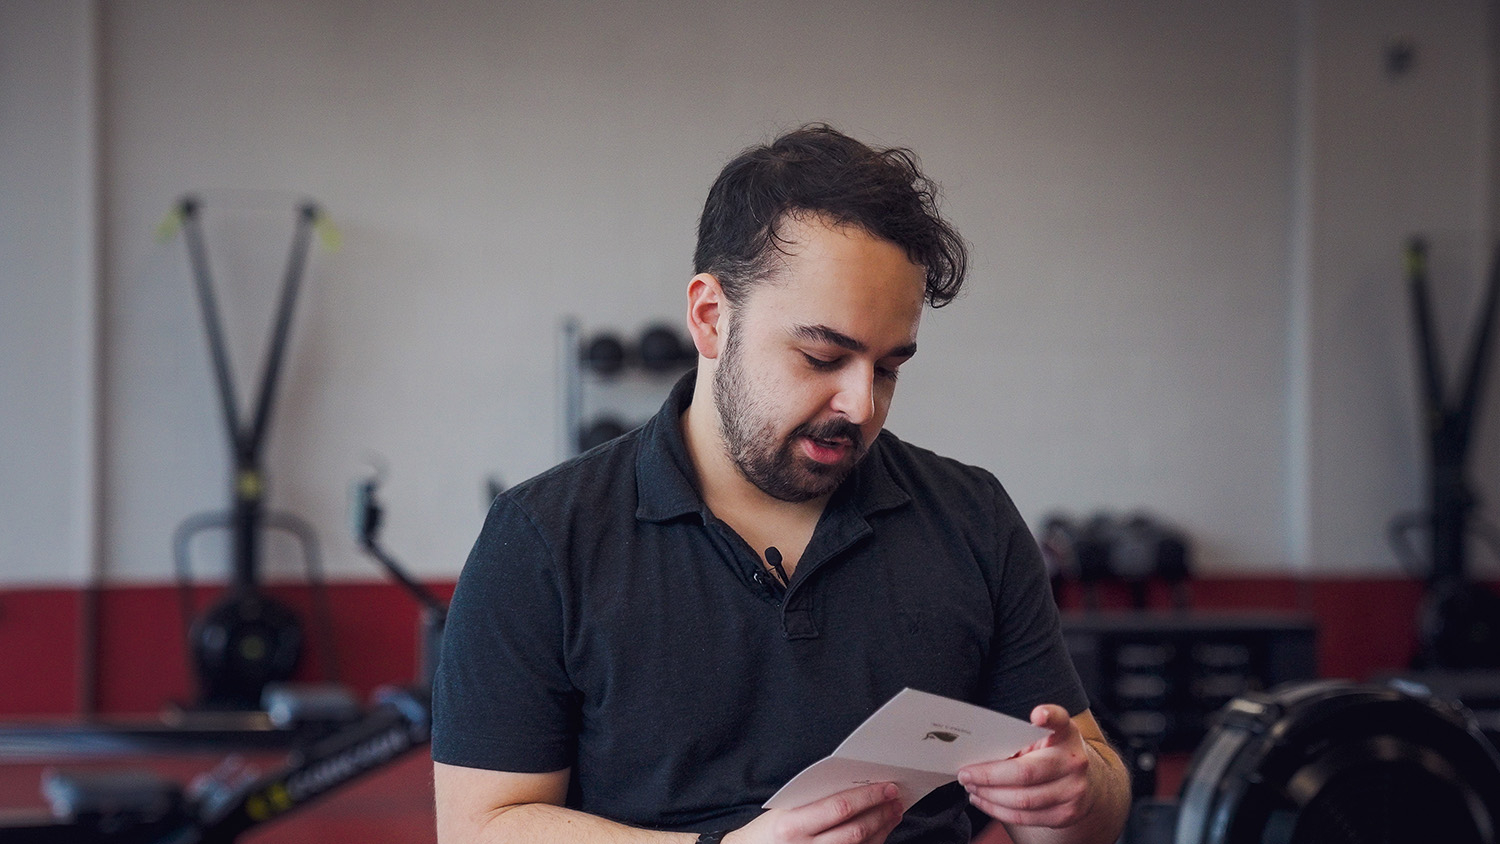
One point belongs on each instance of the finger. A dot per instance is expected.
(835, 810)
(1057, 814)
(868, 827)
(1060, 727)
(1034, 768)
(1052, 717)
(1040, 796)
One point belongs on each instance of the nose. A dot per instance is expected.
(855, 398)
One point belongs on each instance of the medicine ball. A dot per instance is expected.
(1331, 762)
(604, 354)
(663, 348)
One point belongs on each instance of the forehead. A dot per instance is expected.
(843, 277)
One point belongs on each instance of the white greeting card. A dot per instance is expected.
(916, 740)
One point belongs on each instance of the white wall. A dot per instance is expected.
(1182, 217)
(1392, 157)
(48, 331)
(1124, 177)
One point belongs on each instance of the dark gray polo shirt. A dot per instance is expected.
(607, 622)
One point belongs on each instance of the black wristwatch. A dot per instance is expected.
(712, 837)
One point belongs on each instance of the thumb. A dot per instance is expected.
(1052, 717)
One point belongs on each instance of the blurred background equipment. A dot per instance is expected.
(1459, 623)
(334, 744)
(1156, 675)
(610, 384)
(1331, 762)
(604, 354)
(247, 639)
(1135, 552)
(664, 349)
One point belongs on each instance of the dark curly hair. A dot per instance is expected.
(819, 171)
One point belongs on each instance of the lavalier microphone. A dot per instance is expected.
(773, 557)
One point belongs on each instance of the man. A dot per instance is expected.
(648, 640)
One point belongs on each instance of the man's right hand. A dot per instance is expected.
(863, 815)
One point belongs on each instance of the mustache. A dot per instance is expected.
(832, 429)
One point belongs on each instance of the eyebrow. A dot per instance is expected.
(824, 334)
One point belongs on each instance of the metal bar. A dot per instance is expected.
(248, 732)
(1478, 362)
(1427, 348)
(192, 232)
(275, 352)
(386, 734)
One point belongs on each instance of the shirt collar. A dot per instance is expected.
(666, 485)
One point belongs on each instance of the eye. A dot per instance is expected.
(820, 364)
(888, 373)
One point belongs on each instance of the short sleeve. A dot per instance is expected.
(501, 696)
(1028, 662)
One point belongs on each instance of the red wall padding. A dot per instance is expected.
(143, 662)
(1366, 626)
(38, 651)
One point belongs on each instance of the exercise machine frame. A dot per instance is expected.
(1460, 620)
(221, 811)
(247, 638)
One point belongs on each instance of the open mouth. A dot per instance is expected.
(827, 450)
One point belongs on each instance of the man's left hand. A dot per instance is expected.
(1045, 785)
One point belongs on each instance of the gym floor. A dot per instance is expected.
(389, 806)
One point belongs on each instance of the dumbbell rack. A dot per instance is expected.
(631, 395)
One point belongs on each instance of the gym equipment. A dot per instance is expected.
(1159, 676)
(1459, 623)
(1331, 762)
(1133, 551)
(367, 517)
(90, 807)
(660, 348)
(618, 380)
(604, 354)
(247, 639)
(94, 807)
(1477, 691)
(663, 348)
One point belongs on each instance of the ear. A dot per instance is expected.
(707, 314)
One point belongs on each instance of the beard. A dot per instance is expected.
(774, 464)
